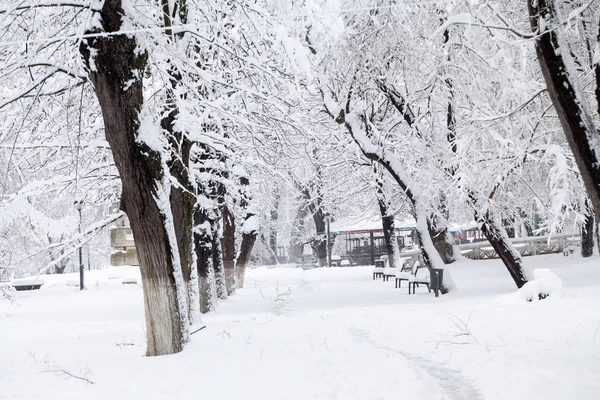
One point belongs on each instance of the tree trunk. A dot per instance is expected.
(389, 228)
(228, 246)
(249, 234)
(217, 255)
(598, 236)
(248, 239)
(499, 240)
(441, 242)
(296, 243)
(587, 235)
(563, 87)
(273, 231)
(116, 70)
(203, 245)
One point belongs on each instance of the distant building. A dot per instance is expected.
(363, 241)
(121, 240)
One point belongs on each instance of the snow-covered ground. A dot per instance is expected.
(315, 334)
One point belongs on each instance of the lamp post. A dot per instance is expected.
(328, 219)
(78, 207)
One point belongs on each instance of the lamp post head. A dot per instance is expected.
(327, 217)
(78, 205)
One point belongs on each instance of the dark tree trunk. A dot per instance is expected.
(598, 236)
(388, 224)
(511, 258)
(587, 235)
(217, 262)
(116, 70)
(509, 227)
(556, 66)
(389, 234)
(320, 242)
(249, 234)
(228, 246)
(526, 224)
(248, 240)
(203, 246)
(441, 243)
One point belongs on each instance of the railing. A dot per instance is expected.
(528, 246)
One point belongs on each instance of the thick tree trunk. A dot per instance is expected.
(228, 246)
(389, 228)
(248, 239)
(441, 242)
(587, 235)
(321, 239)
(431, 256)
(217, 262)
(563, 87)
(116, 70)
(498, 238)
(249, 234)
(203, 245)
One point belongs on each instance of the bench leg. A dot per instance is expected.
(428, 288)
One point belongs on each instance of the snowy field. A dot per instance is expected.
(317, 334)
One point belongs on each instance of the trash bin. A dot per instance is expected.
(436, 279)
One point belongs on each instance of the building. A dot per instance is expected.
(121, 241)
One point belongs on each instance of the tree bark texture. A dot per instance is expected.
(318, 215)
(389, 227)
(203, 245)
(248, 240)
(587, 235)
(117, 63)
(498, 238)
(228, 246)
(249, 234)
(273, 230)
(557, 65)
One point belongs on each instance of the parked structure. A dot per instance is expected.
(121, 240)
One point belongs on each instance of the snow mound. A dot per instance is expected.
(545, 283)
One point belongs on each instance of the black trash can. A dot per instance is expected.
(436, 279)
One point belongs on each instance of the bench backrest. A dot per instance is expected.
(415, 268)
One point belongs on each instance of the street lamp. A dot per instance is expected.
(328, 219)
(78, 207)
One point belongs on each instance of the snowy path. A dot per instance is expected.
(320, 334)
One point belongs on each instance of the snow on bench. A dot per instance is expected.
(27, 283)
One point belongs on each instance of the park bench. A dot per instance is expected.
(379, 269)
(393, 272)
(28, 283)
(411, 276)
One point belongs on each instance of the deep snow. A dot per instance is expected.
(315, 334)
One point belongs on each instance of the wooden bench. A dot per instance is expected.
(379, 269)
(411, 277)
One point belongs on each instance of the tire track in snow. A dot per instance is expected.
(452, 382)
